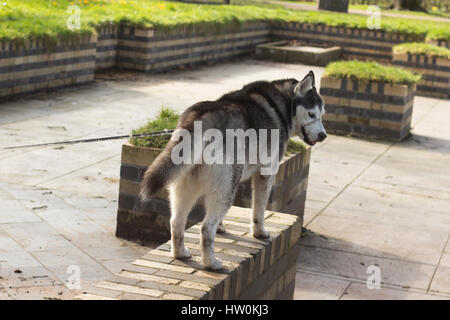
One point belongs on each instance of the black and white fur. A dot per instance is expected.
(294, 107)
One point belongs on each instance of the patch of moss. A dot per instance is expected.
(370, 71)
(165, 120)
(422, 48)
(294, 146)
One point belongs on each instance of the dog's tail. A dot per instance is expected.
(161, 172)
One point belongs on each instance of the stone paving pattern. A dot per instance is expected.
(368, 202)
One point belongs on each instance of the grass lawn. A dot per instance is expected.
(370, 71)
(422, 48)
(22, 19)
(432, 13)
(167, 120)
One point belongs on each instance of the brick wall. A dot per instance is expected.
(160, 50)
(149, 221)
(440, 43)
(435, 73)
(107, 44)
(367, 109)
(359, 44)
(35, 65)
(253, 268)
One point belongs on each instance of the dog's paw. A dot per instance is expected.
(261, 233)
(213, 264)
(183, 253)
(221, 228)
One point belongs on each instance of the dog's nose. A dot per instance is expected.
(322, 136)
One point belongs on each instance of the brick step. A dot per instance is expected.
(253, 268)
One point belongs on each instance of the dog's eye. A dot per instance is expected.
(311, 115)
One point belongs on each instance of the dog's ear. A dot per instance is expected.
(305, 85)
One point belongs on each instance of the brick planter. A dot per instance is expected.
(283, 51)
(253, 269)
(367, 109)
(156, 50)
(435, 73)
(107, 44)
(37, 65)
(357, 44)
(440, 43)
(150, 222)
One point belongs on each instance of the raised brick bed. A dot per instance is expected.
(150, 221)
(253, 268)
(159, 50)
(440, 43)
(435, 73)
(359, 44)
(107, 44)
(283, 51)
(367, 109)
(37, 65)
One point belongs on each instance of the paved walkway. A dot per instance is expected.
(369, 203)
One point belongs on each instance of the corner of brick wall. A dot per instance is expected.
(253, 268)
(435, 73)
(367, 109)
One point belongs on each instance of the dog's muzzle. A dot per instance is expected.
(306, 138)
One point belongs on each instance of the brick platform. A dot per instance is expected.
(367, 109)
(435, 73)
(253, 268)
(150, 221)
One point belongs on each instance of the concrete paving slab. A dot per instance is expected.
(40, 293)
(35, 236)
(349, 265)
(358, 291)
(14, 256)
(27, 277)
(387, 240)
(318, 287)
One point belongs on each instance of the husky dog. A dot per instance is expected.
(289, 106)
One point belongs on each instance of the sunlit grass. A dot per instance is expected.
(370, 71)
(22, 19)
(422, 48)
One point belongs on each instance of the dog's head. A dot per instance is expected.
(308, 108)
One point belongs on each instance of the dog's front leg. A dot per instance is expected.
(261, 187)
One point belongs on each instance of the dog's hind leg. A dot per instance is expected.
(261, 187)
(182, 199)
(217, 204)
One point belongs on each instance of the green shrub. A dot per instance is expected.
(165, 120)
(422, 48)
(370, 71)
